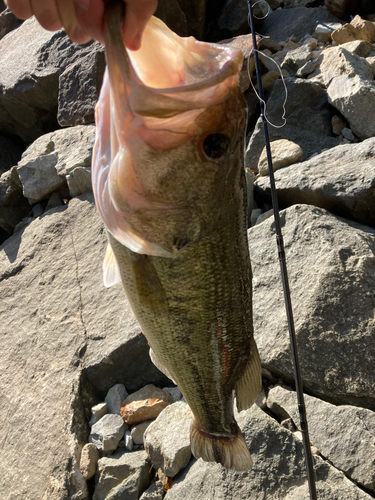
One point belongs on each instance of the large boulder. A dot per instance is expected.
(284, 23)
(354, 97)
(29, 79)
(65, 340)
(341, 180)
(49, 160)
(278, 470)
(344, 435)
(308, 120)
(331, 267)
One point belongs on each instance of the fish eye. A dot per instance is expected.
(215, 146)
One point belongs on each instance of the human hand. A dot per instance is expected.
(83, 19)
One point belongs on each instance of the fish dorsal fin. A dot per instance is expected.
(248, 387)
(111, 271)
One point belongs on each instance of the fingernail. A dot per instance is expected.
(82, 4)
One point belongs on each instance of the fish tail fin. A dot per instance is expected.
(231, 453)
(249, 385)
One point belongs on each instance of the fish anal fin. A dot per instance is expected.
(111, 271)
(231, 453)
(248, 387)
(159, 365)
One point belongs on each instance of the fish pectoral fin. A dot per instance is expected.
(111, 271)
(160, 366)
(248, 387)
(231, 453)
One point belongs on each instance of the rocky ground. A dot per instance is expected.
(85, 414)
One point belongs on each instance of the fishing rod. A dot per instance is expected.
(284, 277)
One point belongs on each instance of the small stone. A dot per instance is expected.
(144, 404)
(89, 458)
(54, 201)
(297, 58)
(115, 396)
(97, 412)
(306, 69)
(107, 433)
(138, 430)
(264, 216)
(255, 213)
(338, 123)
(261, 400)
(315, 450)
(128, 441)
(174, 392)
(167, 440)
(298, 435)
(312, 41)
(284, 153)
(122, 476)
(79, 181)
(348, 134)
(37, 210)
(154, 492)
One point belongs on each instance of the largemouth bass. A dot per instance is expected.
(169, 183)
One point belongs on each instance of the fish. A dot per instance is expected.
(169, 183)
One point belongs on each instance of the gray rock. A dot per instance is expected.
(354, 97)
(341, 433)
(342, 8)
(255, 214)
(71, 340)
(29, 78)
(124, 475)
(323, 33)
(264, 216)
(13, 206)
(359, 47)
(46, 163)
(338, 61)
(97, 412)
(128, 441)
(154, 492)
(299, 21)
(167, 439)
(89, 458)
(8, 22)
(174, 392)
(348, 134)
(278, 471)
(54, 201)
(291, 4)
(297, 58)
(331, 272)
(79, 181)
(308, 120)
(79, 87)
(115, 396)
(107, 432)
(341, 180)
(138, 430)
(306, 69)
(283, 153)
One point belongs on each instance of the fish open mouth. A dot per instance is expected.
(169, 74)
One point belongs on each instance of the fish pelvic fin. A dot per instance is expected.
(248, 387)
(231, 453)
(111, 271)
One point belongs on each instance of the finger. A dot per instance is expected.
(71, 24)
(90, 16)
(47, 14)
(20, 8)
(138, 12)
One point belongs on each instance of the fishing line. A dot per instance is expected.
(260, 98)
(285, 282)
